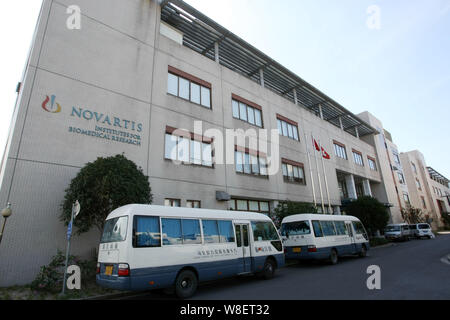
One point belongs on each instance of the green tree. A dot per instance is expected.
(289, 208)
(372, 213)
(103, 186)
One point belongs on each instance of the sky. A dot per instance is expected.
(388, 57)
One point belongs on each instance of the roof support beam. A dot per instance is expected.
(261, 77)
(294, 92)
(340, 123)
(212, 45)
(320, 111)
(262, 67)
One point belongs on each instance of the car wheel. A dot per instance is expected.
(363, 252)
(333, 257)
(186, 284)
(269, 270)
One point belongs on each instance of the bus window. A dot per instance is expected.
(340, 228)
(328, 228)
(317, 229)
(245, 234)
(146, 232)
(295, 228)
(115, 230)
(226, 231)
(264, 231)
(238, 236)
(191, 231)
(171, 229)
(359, 229)
(210, 231)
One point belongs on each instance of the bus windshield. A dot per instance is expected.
(115, 230)
(295, 228)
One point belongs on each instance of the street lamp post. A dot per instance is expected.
(6, 213)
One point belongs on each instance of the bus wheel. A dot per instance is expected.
(333, 257)
(363, 252)
(269, 270)
(186, 284)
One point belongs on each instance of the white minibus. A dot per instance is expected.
(320, 237)
(151, 247)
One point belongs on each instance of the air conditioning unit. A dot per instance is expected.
(222, 196)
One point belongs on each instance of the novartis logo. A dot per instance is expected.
(49, 105)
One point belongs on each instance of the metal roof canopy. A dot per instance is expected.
(201, 34)
(436, 175)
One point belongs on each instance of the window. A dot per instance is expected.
(115, 230)
(193, 204)
(191, 231)
(340, 228)
(414, 167)
(372, 164)
(172, 202)
(424, 203)
(218, 231)
(406, 197)
(188, 87)
(287, 128)
(211, 231)
(250, 164)
(339, 150)
(264, 231)
(359, 229)
(401, 177)
(293, 171)
(250, 205)
(246, 111)
(146, 232)
(328, 228)
(295, 228)
(226, 231)
(317, 229)
(171, 231)
(396, 158)
(419, 186)
(357, 156)
(188, 151)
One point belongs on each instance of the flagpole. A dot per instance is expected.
(318, 175)
(311, 172)
(325, 177)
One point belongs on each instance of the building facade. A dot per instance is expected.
(429, 190)
(162, 85)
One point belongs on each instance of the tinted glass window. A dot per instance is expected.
(295, 228)
(226, 231)
(340, 228)
(191, 232)
(184, 88)
(317, 229)
(115, 230)
(147, 233)
(264, 231)
(210, 231)
(171, 229)
(328, 228)
(424, 226)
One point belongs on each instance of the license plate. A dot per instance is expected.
(109, 270)
(297, 250)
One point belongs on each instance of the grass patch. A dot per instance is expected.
(376, 242)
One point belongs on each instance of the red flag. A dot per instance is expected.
(324, 153)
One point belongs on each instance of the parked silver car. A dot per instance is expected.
(423, 230)
(397, 232)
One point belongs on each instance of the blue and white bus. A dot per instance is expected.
(151, 247)
(323, 237)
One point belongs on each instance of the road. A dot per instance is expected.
(409, 270)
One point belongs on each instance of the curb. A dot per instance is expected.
(383, 246)
(111, 296)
